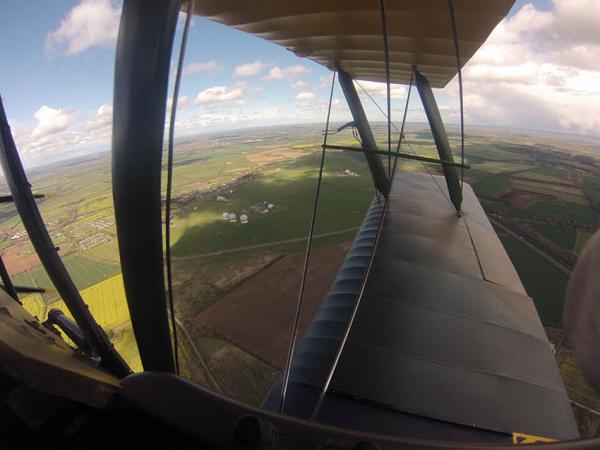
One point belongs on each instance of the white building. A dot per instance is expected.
(232, 217)
(226, 216)
(244, 218)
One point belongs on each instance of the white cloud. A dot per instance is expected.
(103, 118)
(324, 82)
(539, 69)
(249, 69)
(376, 89)
(58, 134)
(227, 115)
(218, 94)
(89, 24)
(50, 120)
(305, 95)
(182, 102)
(288, 73)
(214, 119)
(300, 85)
(201, 67)
(568, 34)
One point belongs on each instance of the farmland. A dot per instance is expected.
(543, 192)
(545, 188)
(542, 280)
(106, 300)
(239, 314)
(84, 272)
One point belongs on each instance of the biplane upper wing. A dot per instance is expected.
(349, 33)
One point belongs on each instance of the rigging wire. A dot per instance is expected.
(460, 91)
(376, 104)
(338, 354)
(414, 152)
(411, 147)
(294, 335)
(170, 182)
(387, 79)
(412, 75)
(363, 285)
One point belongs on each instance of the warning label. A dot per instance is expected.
(522, 438)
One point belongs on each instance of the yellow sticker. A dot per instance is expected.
(522, 438)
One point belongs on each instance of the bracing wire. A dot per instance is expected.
(387, 80)
(294, 334)
(412, 75)
(414, 152)
(460, 92)
(344, 339)
(376, 104)
(170, 182)
(338, 353)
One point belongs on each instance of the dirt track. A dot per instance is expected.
(257, 316)
(254, 247)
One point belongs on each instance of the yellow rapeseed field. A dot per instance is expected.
(107, 304)
(34, 304)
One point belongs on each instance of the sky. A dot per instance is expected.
(539, 69)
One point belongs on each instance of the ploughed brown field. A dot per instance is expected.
(257, 316)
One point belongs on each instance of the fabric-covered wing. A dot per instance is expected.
(445, 331)
(349, 32)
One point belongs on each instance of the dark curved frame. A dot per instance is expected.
(140, 97)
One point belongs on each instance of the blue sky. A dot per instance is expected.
(538, 70)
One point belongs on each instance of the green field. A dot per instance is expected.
(108, 253)
(542, 281)
(582, 238)
(291, 188)
(563, 237)
(491, 185)
(107, 303)
(578, 388)
(84, 272)
(566, 210)
(495, 167)
(562, 193)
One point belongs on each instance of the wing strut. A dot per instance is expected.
(140, 96)
(7, 284)
(380, 178)
(440, 137)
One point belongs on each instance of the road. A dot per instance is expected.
(253, 247)
(560, 266)
(209, 375)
